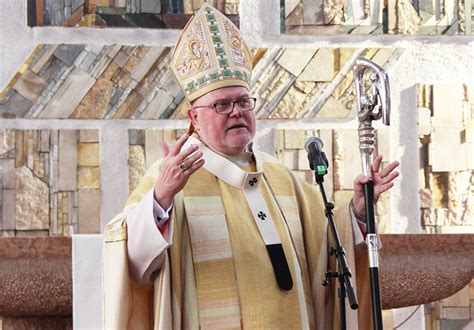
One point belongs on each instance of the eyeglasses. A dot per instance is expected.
(227, 106)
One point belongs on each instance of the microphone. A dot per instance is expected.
(316, 157)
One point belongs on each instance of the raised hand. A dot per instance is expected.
(383, 181)
(176, 168)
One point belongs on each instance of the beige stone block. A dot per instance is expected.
(346, 158)
(448, 105)
(295, 138)
(8, 209)
(447, 153)
(69, 95)
(321, 67)
(383, 143)
(32, 200)
(459, 299)
(44, 140)
(302, 160)
(8, 175)
(140, 70)
(7, 140)
(88, 154)
(32, 233)
(89, 211)
(424, 121)
(96, 102)
(333, 109)
(136, 165)
(67, 180)
(295, 60)
(89, 135)
(88, 177)
(468, 132)
(457, 230)
(290, 159)
(44, 58)
(152, 149)
(456, 313)
(30, 86)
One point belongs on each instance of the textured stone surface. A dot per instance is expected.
(295, 60)
(88, 177)
(136, 165)
(35, 276)
(448, 105)
(321, 67)
(30, 86)
(8, 209)
(346, 161)
(89, 211)
(32, 195)
(88, 154)
(417, 269)
(67, 160)
(34, 323)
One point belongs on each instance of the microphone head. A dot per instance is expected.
(313, 140)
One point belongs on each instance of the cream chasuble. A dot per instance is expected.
(218, 273)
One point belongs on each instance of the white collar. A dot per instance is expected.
(225, 169)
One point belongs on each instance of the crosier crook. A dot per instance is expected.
(373, 103)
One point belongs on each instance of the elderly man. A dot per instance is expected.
(217, 234)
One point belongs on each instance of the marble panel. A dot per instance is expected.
(136, 165)
(346, 158)
(40, 62)
(8, 209)
(88, 177)
(321, 67)
(89, 211)
(146, 62)
(290, 159)
(295, 60)
(136, 137)
(16, 106)
(32, 195)
(68, 53)
(67, 180)
(30, 86)
(448, 105)
(447, 153)
(150, 6)
(333, 108)
(44, 141)
(88, 135)
(69, 95)
(424, 121)
(158, 105)
(8, 173)
(88, 154)
(96, 102)
(7, 141)
(295, 138)
(152, 149)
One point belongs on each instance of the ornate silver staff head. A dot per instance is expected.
(373, 103)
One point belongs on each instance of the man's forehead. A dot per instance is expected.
(232, 92)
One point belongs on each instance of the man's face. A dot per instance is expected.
(225, 133)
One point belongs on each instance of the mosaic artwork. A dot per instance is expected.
(125, 82)
(367, 17)
(161, 14)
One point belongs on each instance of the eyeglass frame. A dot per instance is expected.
(234, 102)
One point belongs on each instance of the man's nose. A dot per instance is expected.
(236, 111)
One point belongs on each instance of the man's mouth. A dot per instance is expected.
(236, 126)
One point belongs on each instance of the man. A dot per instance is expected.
(217, 234)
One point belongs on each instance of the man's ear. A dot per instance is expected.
(193, 118)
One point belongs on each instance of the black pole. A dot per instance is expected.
(373, 247)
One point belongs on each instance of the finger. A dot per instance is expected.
(194, 157)
(179, 144)
(389, 168)
(193, 168)
(187, 152)
(383, 188)
(376, 163)
(361, 179)
(390, 177)
(164, 148)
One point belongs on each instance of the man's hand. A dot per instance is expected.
(383, 181)
(173, 175)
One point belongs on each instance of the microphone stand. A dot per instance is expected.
(372, 105)
(343, 272)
